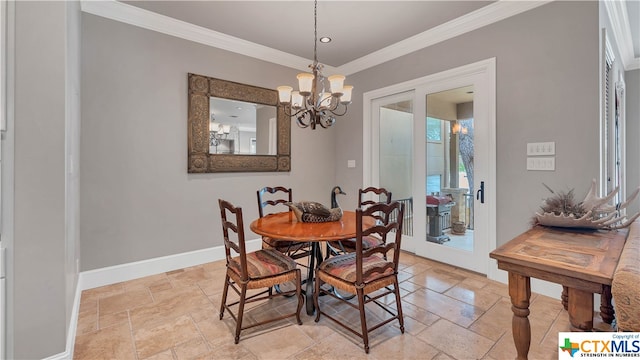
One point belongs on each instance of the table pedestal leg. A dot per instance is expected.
(520, 293)
(564, 297)
(580, 310)
(315, 255)
(606, 309)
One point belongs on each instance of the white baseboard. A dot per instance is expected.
(61, 356)
(115, 274)
(538, 286)
(125, 272)
(73, 327)
(541, 287)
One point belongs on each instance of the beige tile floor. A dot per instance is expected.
(449, 313)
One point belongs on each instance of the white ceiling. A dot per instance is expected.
(357, 28)
(361, 30)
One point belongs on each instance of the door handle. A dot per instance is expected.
(480, 193)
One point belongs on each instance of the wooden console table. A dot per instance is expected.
(582, 261)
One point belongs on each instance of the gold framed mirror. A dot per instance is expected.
(202, 158)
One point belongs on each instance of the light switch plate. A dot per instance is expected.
(547, 163)
(541, 149)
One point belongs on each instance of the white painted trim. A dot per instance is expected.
(3, 71)
(619, 19)
(545, 288)
(465, 70)
(61, 356)
(538, 286)
(115, 274)
(128, 14)
(487, 70)
(132, 15)
(487, 15)
(7, 149)
(634, 64)
(125, 272)
(71, 332)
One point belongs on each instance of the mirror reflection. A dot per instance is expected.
(243, 128)
(208, 153)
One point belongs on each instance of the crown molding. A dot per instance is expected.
(487, 15)
(128, 14)
(619, 20)
(135, 16)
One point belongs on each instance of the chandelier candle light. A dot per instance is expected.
(217, 133)
(312, 104)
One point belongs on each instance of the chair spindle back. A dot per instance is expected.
(233, 225)
(382, 230)
(279, 195)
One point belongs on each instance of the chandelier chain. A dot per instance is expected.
(315, 32)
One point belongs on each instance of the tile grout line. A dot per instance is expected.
(133, 338)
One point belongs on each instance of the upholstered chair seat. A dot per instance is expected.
(342, 271)
(264, 264)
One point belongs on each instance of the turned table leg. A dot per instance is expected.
(520, 293)
(564, 297)
(606, 309)
(580, 310)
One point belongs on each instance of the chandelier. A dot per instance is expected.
(217, 132)
(457, 128)
(315, 103)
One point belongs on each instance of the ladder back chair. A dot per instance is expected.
(273, 199)
(366, 273)
(256, 270)
(365, 200)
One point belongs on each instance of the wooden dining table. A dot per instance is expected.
(285, 226)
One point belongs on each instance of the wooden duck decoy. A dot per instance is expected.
(314, 212)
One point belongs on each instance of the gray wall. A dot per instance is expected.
(547, 90)
(137, 200)
(42, 276)
(632, 83)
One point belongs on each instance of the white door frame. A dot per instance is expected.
(486, 70)
(408, 242)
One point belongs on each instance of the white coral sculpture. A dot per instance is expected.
(591, 213)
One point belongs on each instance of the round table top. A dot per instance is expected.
(285, 226)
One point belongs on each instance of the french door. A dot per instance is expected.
(441, 163)
(393, 160)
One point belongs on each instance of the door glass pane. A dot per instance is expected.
(396, 155)
(449, 177)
